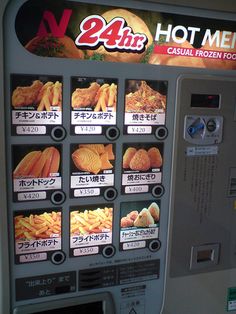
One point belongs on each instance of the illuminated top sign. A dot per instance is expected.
(94, 32)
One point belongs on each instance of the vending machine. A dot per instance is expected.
(117, 158)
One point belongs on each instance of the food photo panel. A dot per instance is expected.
(36, 103)
(145, 106)
(92, 169)
(139, 224)
(141, 167)
(93, 105)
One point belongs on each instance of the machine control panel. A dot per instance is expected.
(203, 130)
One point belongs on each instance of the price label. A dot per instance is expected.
(31, 196)
(86, 192)
(88, 129)
(33, 257)
(86, 251)
(136, 189)
(134, 245)
(27, 130)
(139, 130)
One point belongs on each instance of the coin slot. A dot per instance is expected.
(154, 245)
(110, 194)
(108, 251)
(58, 197)
(58, 133)
(161, 133)
(58, 258)
(158, 190)
(112, 133)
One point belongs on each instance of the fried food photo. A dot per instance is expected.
(38, 164)
(141, 159)
(38, 226)
(93, 158)
(26, 95)
(155, 157)
(50, 46)
(91, 221)
(144, 99)
(128, 155)
(38, 95)
(96, 97)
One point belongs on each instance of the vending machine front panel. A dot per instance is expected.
(96, 126)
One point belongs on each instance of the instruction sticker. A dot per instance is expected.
(90, 229)
(139, 224)
(92, 169)
(36, 171)
(36, 103)
(231, 299)
(141, 167)
(37, 234)
(93, 105)
(145, 106)
(45, 285)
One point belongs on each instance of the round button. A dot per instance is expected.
(161, 133)
(158, 190)
(108, 251)
(58, 257)
(154, 245)
(58, 197)
(58, 133)
(211, 125)
(110, 194)
(112, 133)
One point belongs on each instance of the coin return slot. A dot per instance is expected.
(204, 256)
(58, 198)
(58, 133)
(112, 133)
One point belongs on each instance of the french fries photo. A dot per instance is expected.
(97, 97)
(38, 164)
(38, 226)
(91, 221)
(43, 97)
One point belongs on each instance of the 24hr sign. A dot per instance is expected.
(115, 35)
